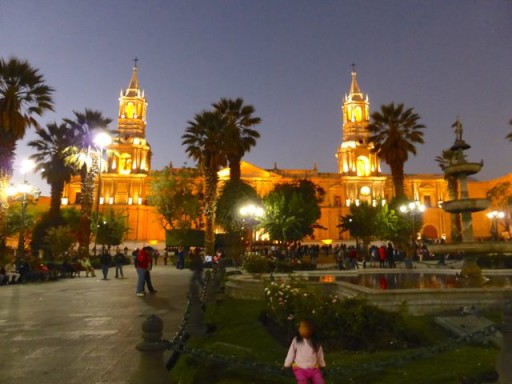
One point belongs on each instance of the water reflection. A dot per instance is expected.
(386, 281)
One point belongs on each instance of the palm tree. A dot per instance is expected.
(50, 159)
(240, 137)
(394, 131)
(449, 157)
(509, 136)
(204, 140)
(23, 96)
(83, 154)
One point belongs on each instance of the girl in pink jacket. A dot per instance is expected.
(306, 356)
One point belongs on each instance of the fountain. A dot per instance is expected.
(460, 168)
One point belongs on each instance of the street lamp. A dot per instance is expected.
(251, 212)
(494, 216)
(413, 208)
(23, 193)
(101, 140)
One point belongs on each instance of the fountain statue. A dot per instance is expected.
(460, 169)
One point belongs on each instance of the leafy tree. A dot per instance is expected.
(14, 221)
(204, 142)
(84, 156)
(70, 217)
(60, 241)
(177, 195)
(449, 157)
(23, 96)
(239, 135)
(370, 222)
(501, 198)
(234, 194)
(112, 227)
(394, 131)
(291, 210)
(50, 159)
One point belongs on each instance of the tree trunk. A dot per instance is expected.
(86, 203)
(397, 173)
(235, 172)
(7, 152)
(55, 200)
(211, 180)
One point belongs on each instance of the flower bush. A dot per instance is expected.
(254, 263)
(350, 323)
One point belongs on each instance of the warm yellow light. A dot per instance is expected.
(365, 190)
(64, 201)
(153, 242)
(327, 241)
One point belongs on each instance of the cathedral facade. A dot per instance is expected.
(125, 181)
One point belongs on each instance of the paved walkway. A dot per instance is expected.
(83, 330)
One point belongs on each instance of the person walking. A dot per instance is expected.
(305, 355)
(105, 260)
(119, 261)
(143, 266)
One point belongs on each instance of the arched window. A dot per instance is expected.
(363, 166)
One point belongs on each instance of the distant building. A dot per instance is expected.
(125, 183)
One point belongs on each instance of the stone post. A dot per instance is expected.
(151, 369)
(503, 363)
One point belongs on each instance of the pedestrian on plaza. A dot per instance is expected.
(382, 256)
(105, 260)
(180, 262)
(166, 255)
(305, 355)
(143, 265)
(155, 255)
(119, 261)
(390, 255)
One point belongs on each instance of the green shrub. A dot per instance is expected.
(254, 263)
(352, 324)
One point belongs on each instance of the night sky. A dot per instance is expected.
(290, 59)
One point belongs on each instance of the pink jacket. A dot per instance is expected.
(302, 355)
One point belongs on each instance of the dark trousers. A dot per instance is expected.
(104, 270)
(147, 280)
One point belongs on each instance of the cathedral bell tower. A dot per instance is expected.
(130, 153)
(354, 154)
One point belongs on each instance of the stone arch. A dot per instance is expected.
(430, 232)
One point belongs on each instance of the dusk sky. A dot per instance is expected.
(290, 59)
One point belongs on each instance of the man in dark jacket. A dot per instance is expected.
(105, 260)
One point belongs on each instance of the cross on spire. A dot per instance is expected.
(353, 67)
(135, 61)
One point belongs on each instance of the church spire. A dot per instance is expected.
(133, 89)
(355, 91)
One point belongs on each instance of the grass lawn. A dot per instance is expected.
(240, 335)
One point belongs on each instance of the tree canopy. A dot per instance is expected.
(178, 196)
(291, 210)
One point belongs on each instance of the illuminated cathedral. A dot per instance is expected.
(125, 181)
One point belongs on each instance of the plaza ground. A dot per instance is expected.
(83, 330)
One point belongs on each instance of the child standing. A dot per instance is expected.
(306, 356)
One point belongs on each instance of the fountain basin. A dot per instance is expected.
(418, 300)
(472, 247)
(463, 169)
(466, 205)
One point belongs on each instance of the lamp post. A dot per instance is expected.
(413, 208)
(101, 140)
(494, 216)
(23, 192)
(251, 212)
